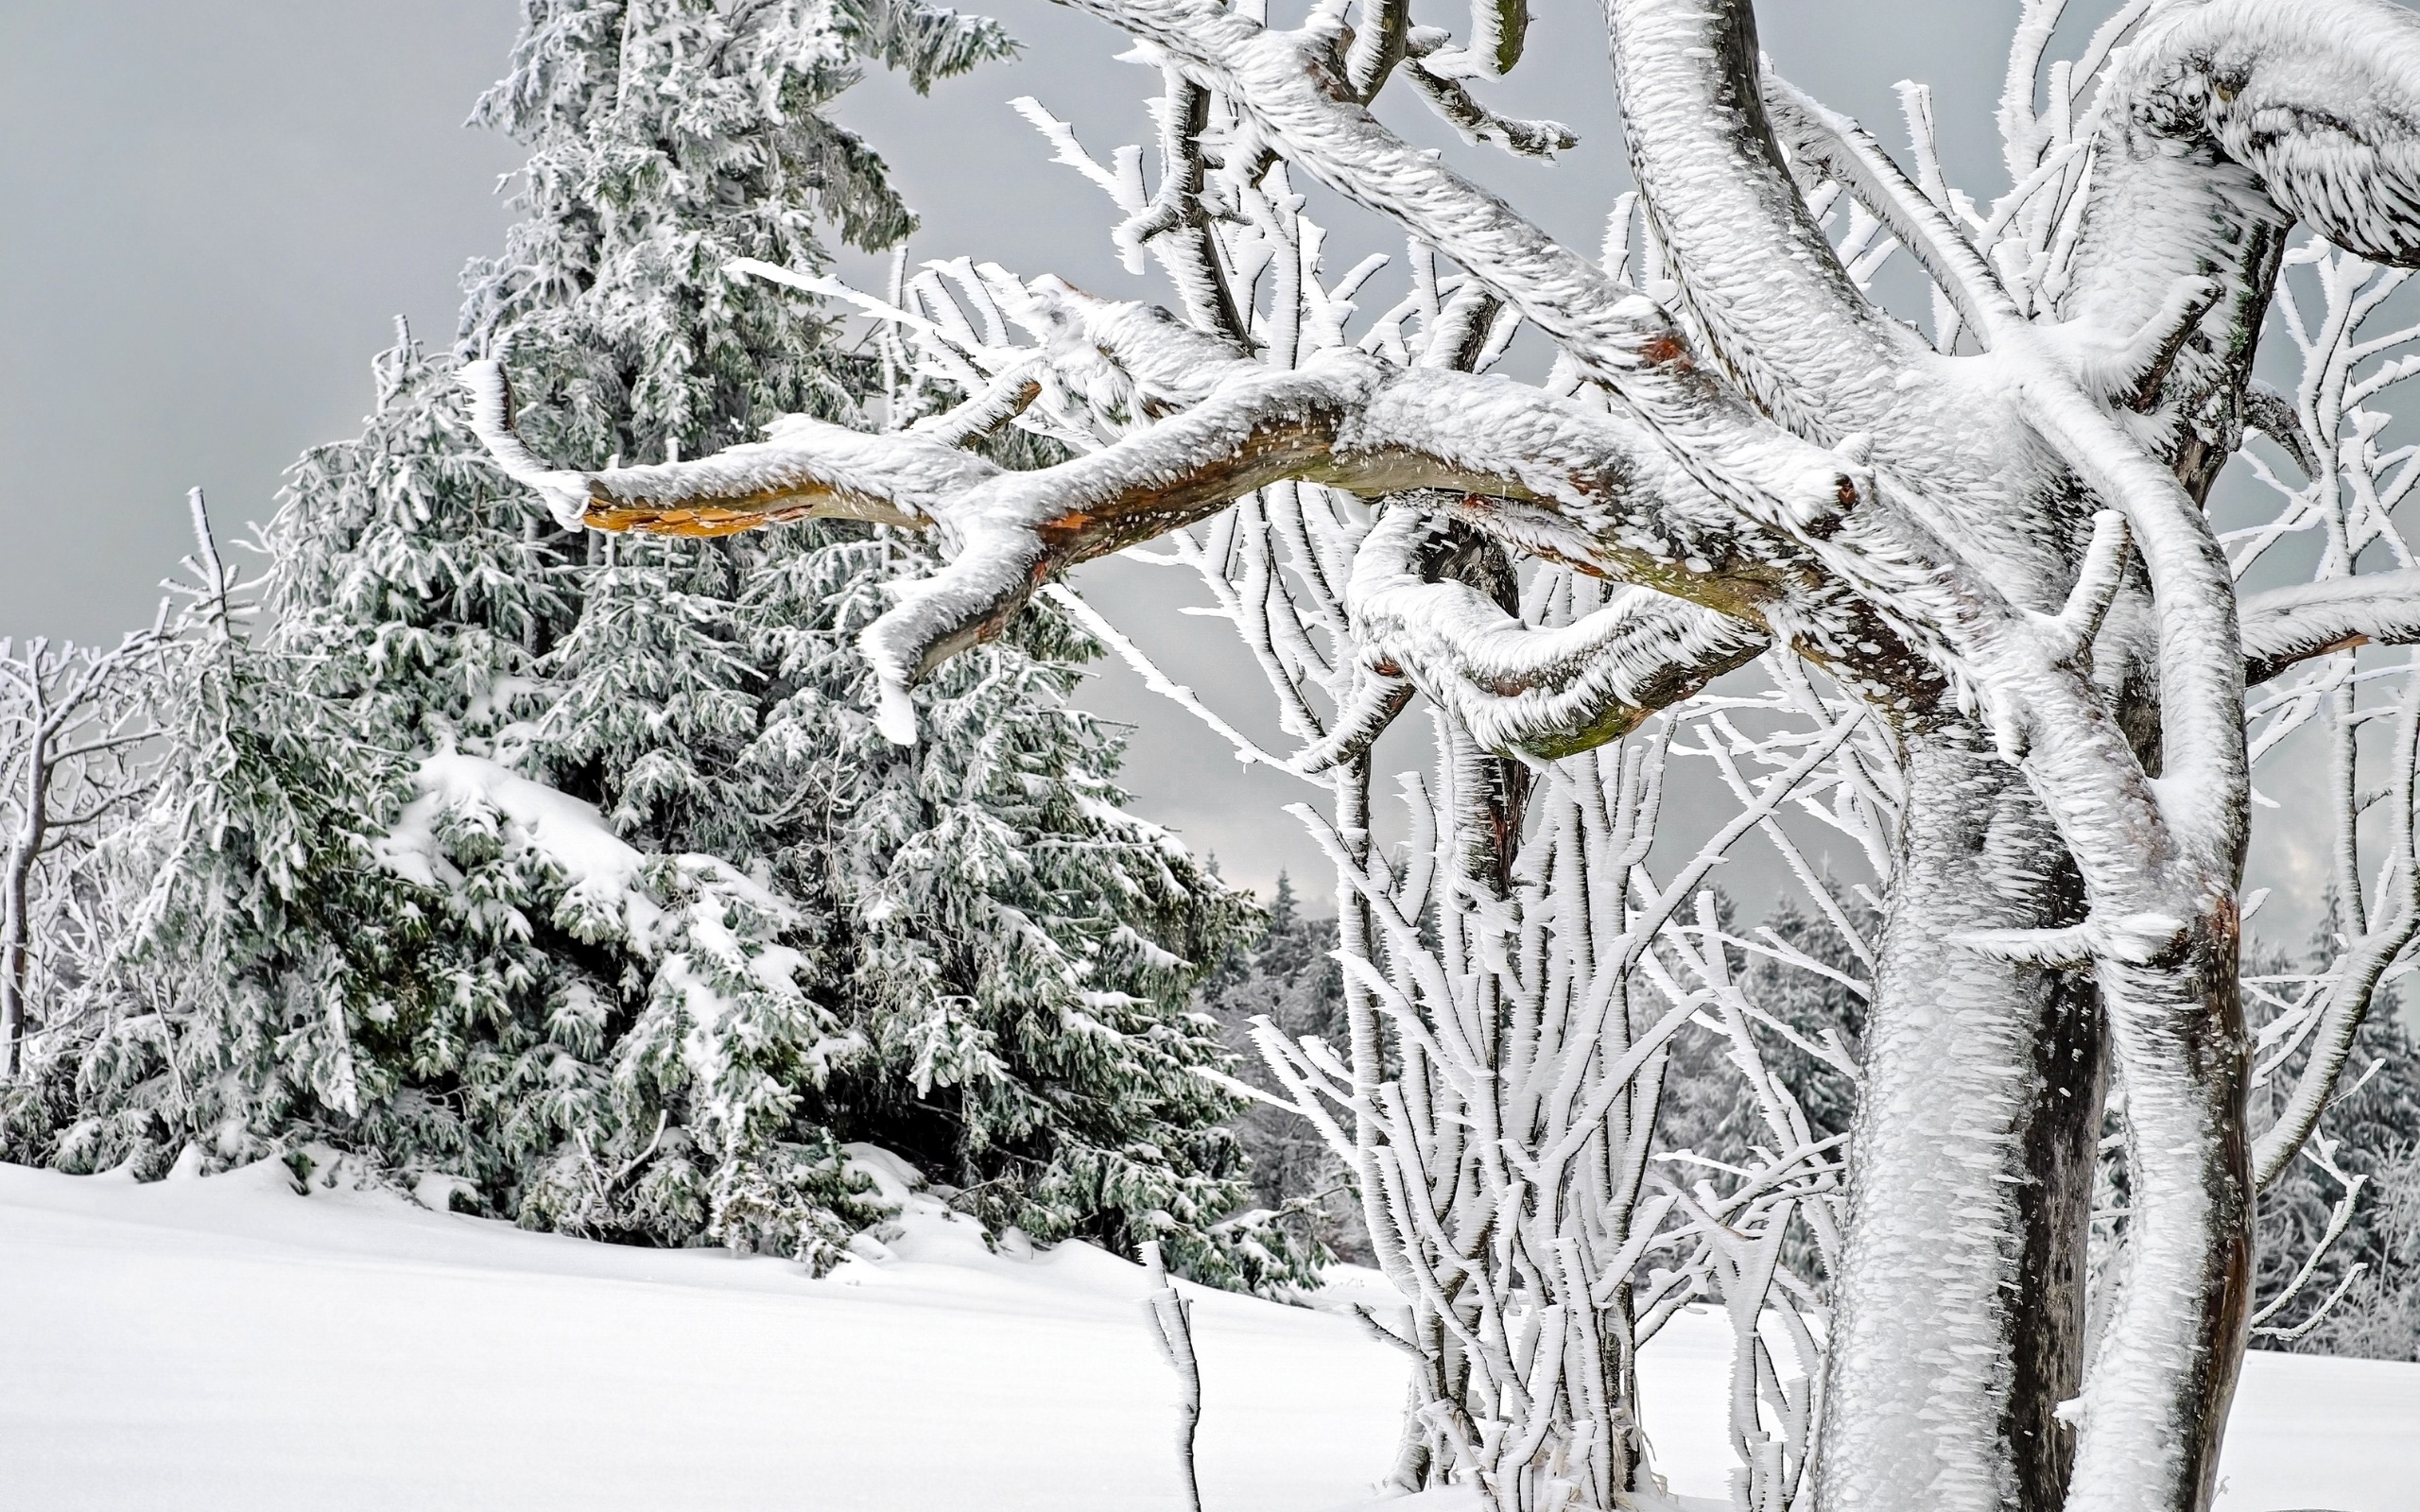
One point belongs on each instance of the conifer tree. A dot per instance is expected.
(569, 877)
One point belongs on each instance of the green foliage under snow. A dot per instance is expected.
(573, 870)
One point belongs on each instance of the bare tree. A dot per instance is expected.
(1987, 546)
(72, 727)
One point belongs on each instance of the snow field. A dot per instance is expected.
(224, 1343)
(227, 1344)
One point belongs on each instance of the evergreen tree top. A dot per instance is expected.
(670, 137)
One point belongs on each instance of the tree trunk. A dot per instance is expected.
(2166, 1371)
(1958, 1320)
(2054, 1213)
(15, 942)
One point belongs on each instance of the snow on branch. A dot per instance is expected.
(1280, 82)
(1546, 693)
(1844, 151)
(2282, 627)
(1555, 475)
(813, 469)
(2321, 101)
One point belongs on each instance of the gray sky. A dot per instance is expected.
(213, 209)
(210, 211)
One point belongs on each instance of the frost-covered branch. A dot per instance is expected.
(75, 732)
(2283, 627)
(1548, 692)
(1757, 274)
(1559, 478)
(1274, 80)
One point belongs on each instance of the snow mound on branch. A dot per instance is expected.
(605, 876)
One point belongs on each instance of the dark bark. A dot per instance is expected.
(2061, 1143)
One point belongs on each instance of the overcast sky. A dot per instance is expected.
(211, 212)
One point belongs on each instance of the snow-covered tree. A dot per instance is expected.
(245, 916)
(1015, 949)
(74, 757)
(1801, 979)
(1290, 977)
(1010, 950)
(1975, 557)
(576, 884)
(2372, 1307)
(2334, 1227)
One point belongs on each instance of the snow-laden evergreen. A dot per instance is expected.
(568, 879)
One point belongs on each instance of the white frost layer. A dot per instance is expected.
(223, 1343)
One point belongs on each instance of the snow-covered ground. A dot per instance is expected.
(226, 1343)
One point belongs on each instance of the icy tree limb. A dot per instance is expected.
(2283, 627)
(2317, 101)
(1757, 272)
(2272, 414)
(2318, 97)
(1125, 650)
(815, 470)
(1380, 31)
(1283, 84)
(2201, 793)
(1477, 123)
(1543, 693)
(1555, 477)
(1175, 225)
(1845, 152)
(2322, 1154)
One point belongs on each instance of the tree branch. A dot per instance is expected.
(2283, 627)
(1845, 152)
(1757, 272)
(1554, 477)
(2272, 414)
(2319, 100)
(1543, 694)
(1284, 85)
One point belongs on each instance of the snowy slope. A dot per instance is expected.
(225, 1342)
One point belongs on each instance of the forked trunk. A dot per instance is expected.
(1958, 1334)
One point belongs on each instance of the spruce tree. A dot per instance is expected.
(568, 874)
